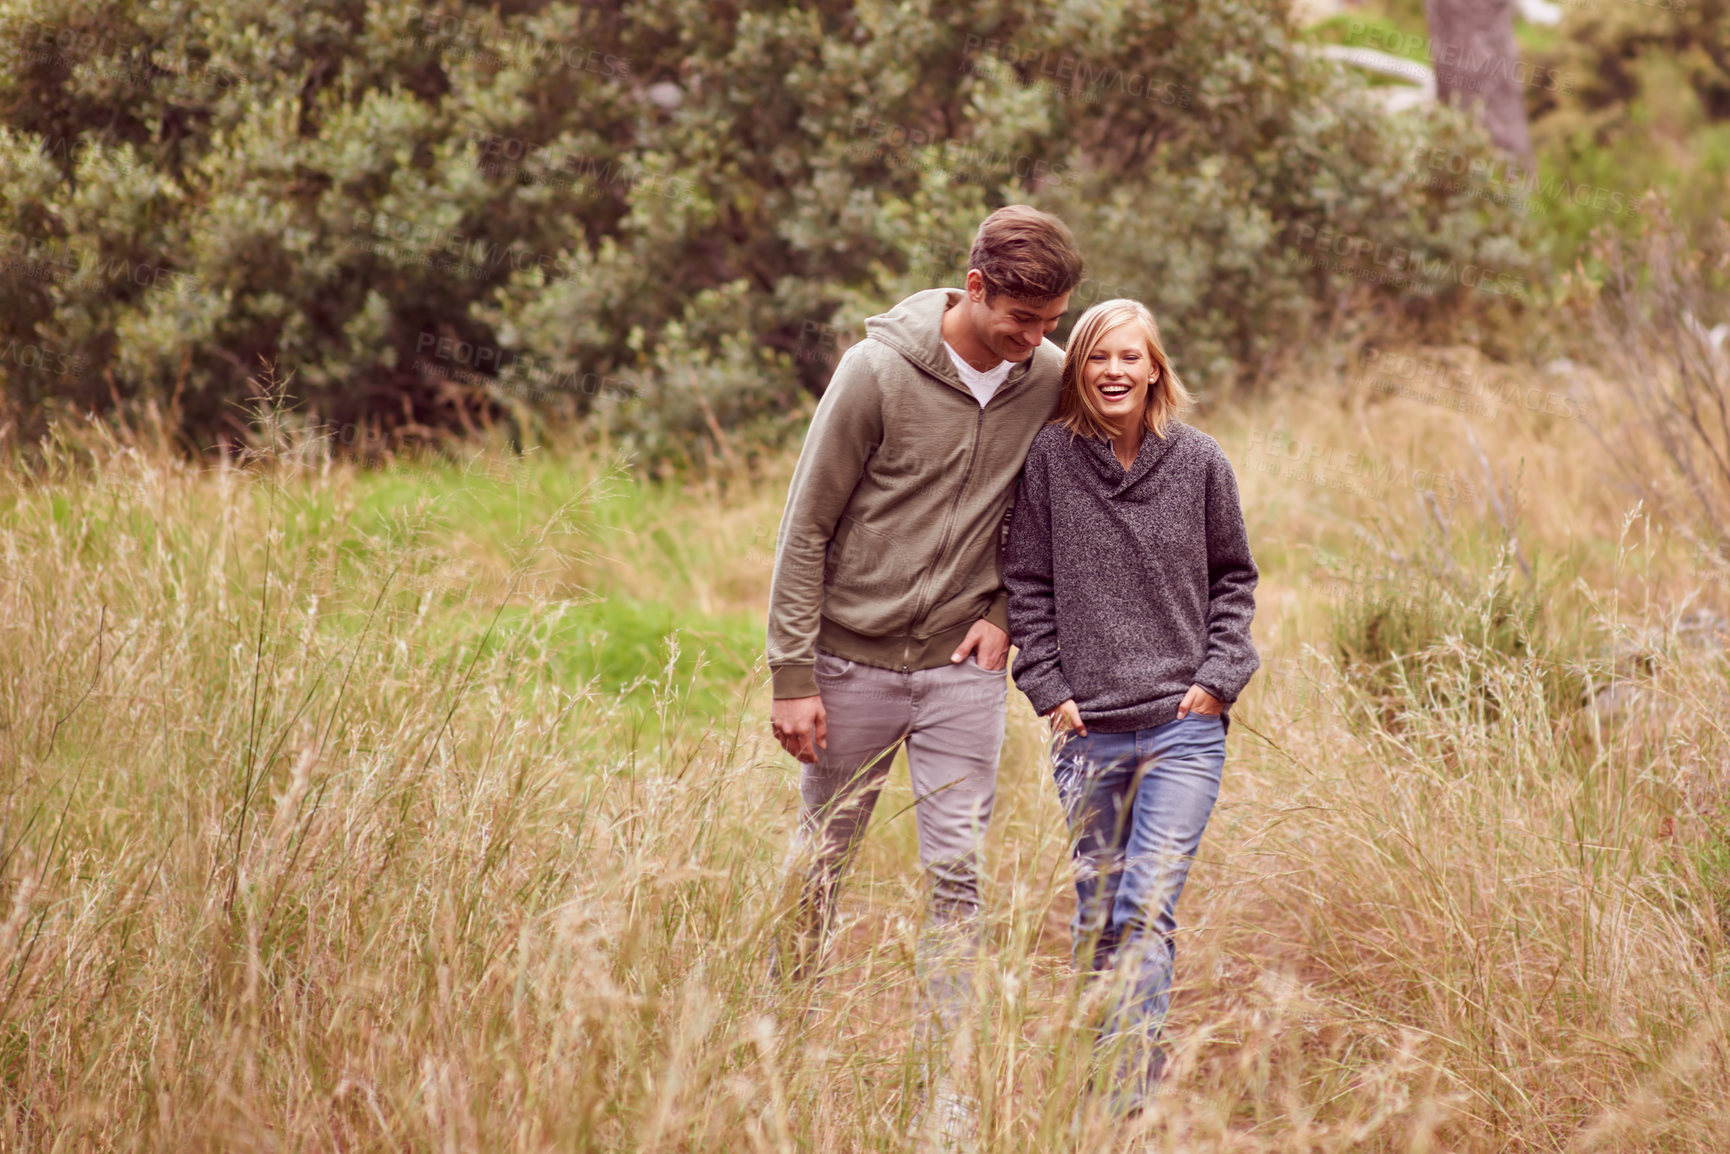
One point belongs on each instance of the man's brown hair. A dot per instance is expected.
(1025, 253)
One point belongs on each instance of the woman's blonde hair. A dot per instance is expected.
(1166, 396)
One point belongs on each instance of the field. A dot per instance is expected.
(431, 808)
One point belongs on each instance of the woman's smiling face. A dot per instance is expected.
(1118, 372)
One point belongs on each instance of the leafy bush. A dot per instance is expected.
(1646, 103)
(673, 220)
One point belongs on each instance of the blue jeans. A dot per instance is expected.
(1137, 804)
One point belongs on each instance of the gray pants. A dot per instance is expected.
(951, 719)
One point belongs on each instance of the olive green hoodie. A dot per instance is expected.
(891, 543)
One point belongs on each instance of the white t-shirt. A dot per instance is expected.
(984, 385)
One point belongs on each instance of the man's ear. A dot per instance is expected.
(975, 286)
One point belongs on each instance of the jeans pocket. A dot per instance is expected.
(828, 666)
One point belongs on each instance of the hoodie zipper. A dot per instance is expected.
(948, 527)
(972, 457)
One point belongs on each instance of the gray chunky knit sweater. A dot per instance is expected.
(1126, 588)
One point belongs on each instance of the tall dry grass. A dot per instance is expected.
(335, 818)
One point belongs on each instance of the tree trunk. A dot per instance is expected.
(1478, 66)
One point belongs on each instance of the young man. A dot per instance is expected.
(888, 618)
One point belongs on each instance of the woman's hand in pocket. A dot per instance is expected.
(1067, 716)
(1199, 700)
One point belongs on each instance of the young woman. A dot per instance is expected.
(1131, 589)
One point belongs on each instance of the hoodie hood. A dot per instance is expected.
(914, 328)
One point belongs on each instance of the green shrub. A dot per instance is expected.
(1646, 103)
(437, 218)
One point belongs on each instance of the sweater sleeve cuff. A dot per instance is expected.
(1045, 698)
(998, 614)
(1218, 695)
(1217, 687)
(795, 681)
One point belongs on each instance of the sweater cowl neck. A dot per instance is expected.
(1111, 470)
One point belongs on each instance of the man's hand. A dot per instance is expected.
(1067, 716)
(800, 725)
(990, 641)
(1200, 701)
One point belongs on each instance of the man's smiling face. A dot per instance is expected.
(1009, 327)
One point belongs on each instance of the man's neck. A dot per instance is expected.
(958, 331)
